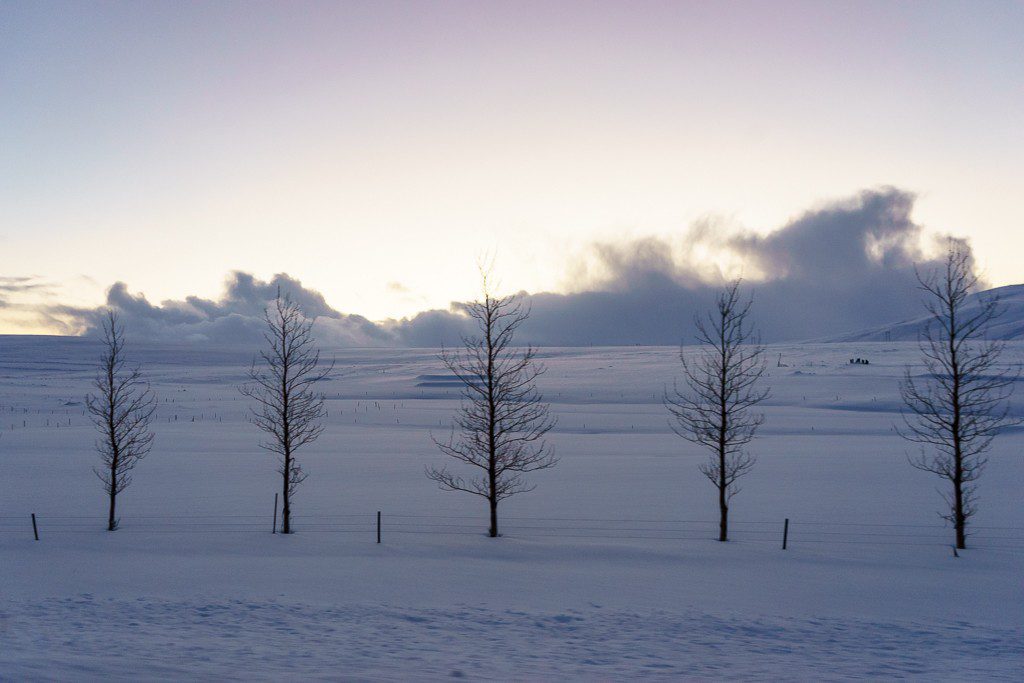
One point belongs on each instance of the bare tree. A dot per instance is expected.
(503, 419)
(717, 409)
(122, 409)
(958, 406)
(288, 408)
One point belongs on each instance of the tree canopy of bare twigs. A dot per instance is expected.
(960, 403)
(503, 419)
(122, 409)
(283, 387)
(717, 407)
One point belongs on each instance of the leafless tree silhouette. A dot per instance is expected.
(122, 409)
(503, 419)
(287, 406)
(957, 407)
(717, 409)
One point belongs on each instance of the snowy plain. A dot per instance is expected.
(608, 570)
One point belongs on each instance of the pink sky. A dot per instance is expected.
(358, 145)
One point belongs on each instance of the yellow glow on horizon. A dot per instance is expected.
(375, 154)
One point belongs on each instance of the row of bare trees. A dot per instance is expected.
(499, 429)
(953, 411)
(500, 426)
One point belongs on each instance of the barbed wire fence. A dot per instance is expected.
(377, 525)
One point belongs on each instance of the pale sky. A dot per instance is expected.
(374, 150)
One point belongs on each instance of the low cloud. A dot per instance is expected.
(836, 269)
(237, 317)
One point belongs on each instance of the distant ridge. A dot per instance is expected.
(1009, 326)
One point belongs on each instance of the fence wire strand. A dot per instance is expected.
(817, 533)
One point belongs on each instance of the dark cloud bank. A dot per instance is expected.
(836, 270)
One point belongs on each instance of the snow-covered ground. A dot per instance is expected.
(608, 570)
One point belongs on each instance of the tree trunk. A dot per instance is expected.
(286, 527)
(723, 520)
(493, 532)
(492, 502)
(723, 504)
(111, 518)
(112, 491)
(492, 455)
(959, 518)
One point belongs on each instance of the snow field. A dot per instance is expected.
(607, 570)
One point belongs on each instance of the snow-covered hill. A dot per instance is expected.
(1009, 325)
